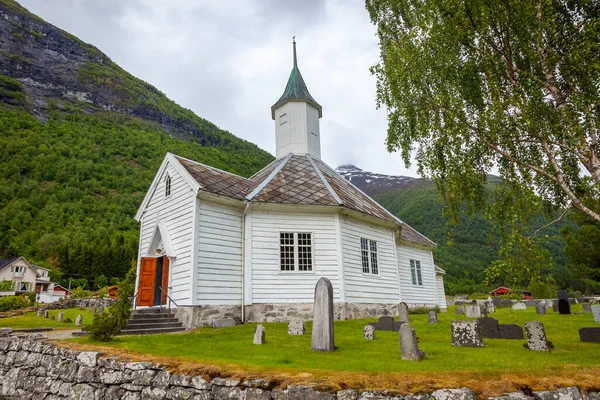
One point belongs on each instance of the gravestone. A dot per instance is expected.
(590, 334)
(484, 311)
(369, 332)
(322, 331)
(491, 307)
(555, 305)
(564, 307)
(506, 303)
(40, 312)
(473, 311)
(259, 334)
(510, 331)
(462, 307)
(78, 320)
(596, 312)
(409, 347)
(519, 306)
(466, 334)
(387, 323)
(61, 315)
(52, 318)
(489, 327)
(496, 301)
(403, 312)
(100, 309)
(540, 309)
(46, 314)
(296, 327)
(529, 303)
(536, 336)
(458, 311)
(587, 307)
(432, 317)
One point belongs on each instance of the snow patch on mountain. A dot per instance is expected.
(372, 182)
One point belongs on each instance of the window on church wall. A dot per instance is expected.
(368, 255)
(168, 186)
(415, 272)
(283, 118)
(295, 251)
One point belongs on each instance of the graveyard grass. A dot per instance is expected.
(501, 366)
(31, 320)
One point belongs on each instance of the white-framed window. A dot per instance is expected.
(17, 268)
(295, 251)
(415, 272)
(168, 186)
(368, 253)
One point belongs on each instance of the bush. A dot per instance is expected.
(11, 303)
(80, 293)
(106, 326)
(7, 286)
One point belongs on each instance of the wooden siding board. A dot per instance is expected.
(414, 294)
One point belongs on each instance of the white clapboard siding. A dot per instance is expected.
(219, 278)
(362, 287)
(269, 283)
(441, 294)
(415, 295)
(176, 211)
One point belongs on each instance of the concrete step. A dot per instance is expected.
(150, 331)
(155, 325)
(150, 311)
(152, 316)
(151, 320)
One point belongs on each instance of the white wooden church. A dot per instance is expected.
(222, 245)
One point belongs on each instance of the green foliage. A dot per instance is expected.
(106, 326)
(100, 282)
(7, 286)
(543, 288)
(80, 283)
(482, 84)
(10, 303)
(80, 293)
(114, 281)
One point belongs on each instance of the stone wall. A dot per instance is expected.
(30, 368)
(79, 303)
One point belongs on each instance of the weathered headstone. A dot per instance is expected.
(322, 332)
(432, 317)
(78, 320)
(369, 332)
(409, 347)
(590, 334)
(259, 334)
(540, 309)
(519, 306)
(61, 315)
(555, 305)
(473, 311)
(536, 336)
(387, 323)
(564, 306)
(596, 312)
(506, 303)
(587, 307)
(491, 307)
(529, 303)
(296, 327)
(466, 334)
(403, 312)
(458, 311)
(496, 301)
(40, 312)
(483, 309)
(489, 327)
(510, 331)
(46, 314)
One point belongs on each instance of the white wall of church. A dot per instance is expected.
(219, 255)
(176, 211)
(270, 284)
(417, 295)
(441, 293)
(367, 287)
(297, 129)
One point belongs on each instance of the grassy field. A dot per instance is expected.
(500, 365)
(31, 320)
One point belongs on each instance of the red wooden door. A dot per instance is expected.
(146, 284)
(165, 279)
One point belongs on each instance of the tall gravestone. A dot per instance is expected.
(61, 315)
(596, 313)
(536, 336)
(409, 347)
(466, 334)
(564, 307)
(322, 332)
(259, 334)
(78, 320)
(403, 312)
(540, 309)
(46, 314)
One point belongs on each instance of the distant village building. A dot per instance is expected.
(255, 247)
(28, 278)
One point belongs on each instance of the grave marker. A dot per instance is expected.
(40, 312)
(387, 323)
(409, 347)
(519, 306)
(296, 327)
(369, 332)
(540, 309)
(259, 334)
(46, 314)
(473, 311)
(489, 327)
(564, 306)
(590, 334)
(322, 332)
(536, 336)
(596, 312)
(78, 320)
(466, 334)
(61, 315)
(510, 331)
(587, 307)
(403, 312)
(432, 317)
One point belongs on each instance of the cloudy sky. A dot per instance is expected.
(228, 61)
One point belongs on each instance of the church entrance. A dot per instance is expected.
(154, 274)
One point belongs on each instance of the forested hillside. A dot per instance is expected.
(81, 140)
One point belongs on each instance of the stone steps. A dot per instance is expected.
(150, 331)
(151, 321)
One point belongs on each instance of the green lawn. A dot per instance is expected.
(31, 320)
(234, 346)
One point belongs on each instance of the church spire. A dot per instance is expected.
(296, 89)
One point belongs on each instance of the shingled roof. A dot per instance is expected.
(295, 179)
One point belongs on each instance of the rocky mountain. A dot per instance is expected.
(373, 183)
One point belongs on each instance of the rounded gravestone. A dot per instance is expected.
(409, 346)
(540, 309)
(432, 317)
(322, 331)
(403, 312)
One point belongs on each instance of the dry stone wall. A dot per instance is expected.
(31, 368)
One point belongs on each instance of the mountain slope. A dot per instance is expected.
(81, 141)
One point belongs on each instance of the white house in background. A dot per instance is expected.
(225, 245)
(27, 278)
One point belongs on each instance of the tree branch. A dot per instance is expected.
(532, 237)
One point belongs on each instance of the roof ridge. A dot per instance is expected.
(327, 185)
(269, 178)
(209, 167)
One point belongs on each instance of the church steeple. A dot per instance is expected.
(296, 116)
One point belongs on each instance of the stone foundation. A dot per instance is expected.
(194, 316)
